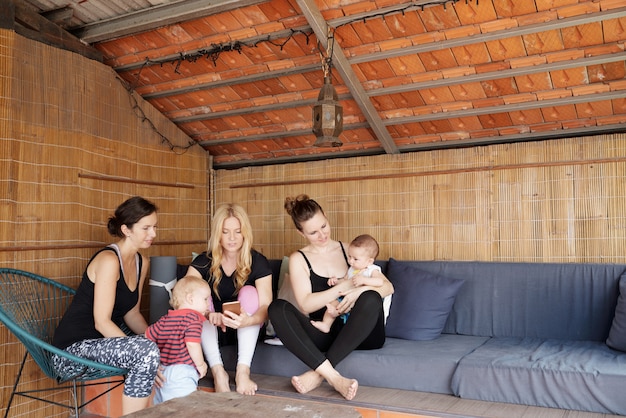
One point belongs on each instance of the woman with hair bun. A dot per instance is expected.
(310, 268)
(108, 296)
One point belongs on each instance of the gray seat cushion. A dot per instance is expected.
(401, 364)
(579, 375)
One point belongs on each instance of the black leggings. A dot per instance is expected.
(364, 330)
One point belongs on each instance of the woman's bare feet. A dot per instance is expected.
(307, 381)
(345, 386)
(245, 385)
(220, 379)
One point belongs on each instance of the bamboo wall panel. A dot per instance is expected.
(70, 133)
(546, 201)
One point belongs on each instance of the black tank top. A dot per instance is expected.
(319, 283)
(77, 323)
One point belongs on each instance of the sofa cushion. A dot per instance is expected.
(572, 301)
(425, 366)
(579, 375)
(617, 333)
(421, 304)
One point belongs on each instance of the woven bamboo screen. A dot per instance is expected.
(73, 145)
(550, 201)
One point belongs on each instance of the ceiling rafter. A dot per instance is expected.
(495, 75)
(271, 135)
(409, 87)
(24, 18)
(232, 81)
(251, 110)
(425, 146)
(394, 53)
(320, 27)
(508, 107)
(492, 36)
(521, 137)
(155, 17)
(569, 100)
(162, 59)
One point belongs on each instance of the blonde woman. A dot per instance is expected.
(235, 272)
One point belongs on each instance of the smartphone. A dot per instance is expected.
(232, 307)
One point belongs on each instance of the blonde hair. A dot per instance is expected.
(244, 261)
(185, 287)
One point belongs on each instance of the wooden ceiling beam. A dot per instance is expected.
(428, 146)
(379, 55)
(233, 81)
(500, 74)
(510, 107)
(403, 88)
(416, 49)
(317, 156)
(251, 110)
(492, 36)
(155, 17)
(320, 28)
(169, 58)
(30, 24)
(271, 135)
(523, 137)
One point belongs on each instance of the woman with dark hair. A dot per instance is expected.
(236, 272)
(310, 268)
(109, 296)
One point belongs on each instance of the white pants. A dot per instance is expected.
(246, 337)
(246, 342)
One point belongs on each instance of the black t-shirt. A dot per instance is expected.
(226, 289)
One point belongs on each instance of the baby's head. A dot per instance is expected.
(192, 293)
(362, 251)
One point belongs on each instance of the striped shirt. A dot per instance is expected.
(173, 331)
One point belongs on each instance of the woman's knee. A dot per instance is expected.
(152, 354)
(249, 299)
(277, 306)
(370, 298)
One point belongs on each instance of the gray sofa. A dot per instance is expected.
(521, 333)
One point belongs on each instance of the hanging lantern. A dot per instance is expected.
(327, 117)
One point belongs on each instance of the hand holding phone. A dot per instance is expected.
(233, 307)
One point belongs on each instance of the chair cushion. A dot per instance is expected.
(421, 303)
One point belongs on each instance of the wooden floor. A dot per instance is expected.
(419, 404)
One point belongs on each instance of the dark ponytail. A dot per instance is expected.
(129, 213)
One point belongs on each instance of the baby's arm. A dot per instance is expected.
(195, 352)
(333, 281)
(375, 280)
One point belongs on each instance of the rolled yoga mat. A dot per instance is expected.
(162, 281)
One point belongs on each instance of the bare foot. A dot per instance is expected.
(307, 381)
(220, 379)
(245, 385)
(346, 387)
(322, 326)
